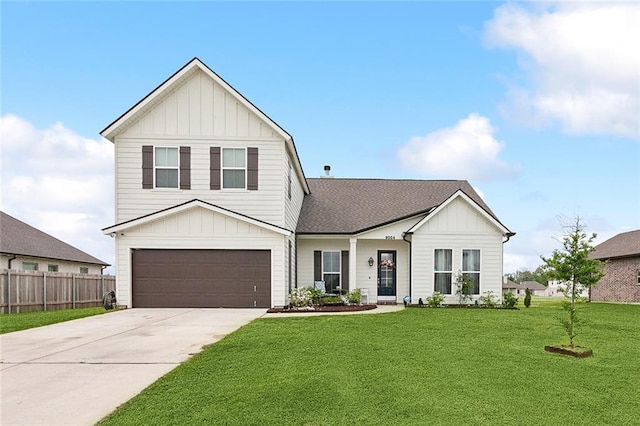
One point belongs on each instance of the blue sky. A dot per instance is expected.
(536, 104)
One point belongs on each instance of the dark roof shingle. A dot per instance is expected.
(16, 237)
(622, 245)
(347, 206)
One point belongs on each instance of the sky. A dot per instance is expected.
(536, 104)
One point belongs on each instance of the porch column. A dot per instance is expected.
(353, 264)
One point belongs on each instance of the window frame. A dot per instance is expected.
(156, 167)
(638, 279)
(332, 273)
(443, 272)
(86, 269)
(223, 168)
(34, 264)
(52, 267)
(472, 273)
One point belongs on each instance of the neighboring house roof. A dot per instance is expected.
(156, 95)
(533, 285)
(190, 205)
(626, 244)
(18, 238)
(348, 206)
(510, 284)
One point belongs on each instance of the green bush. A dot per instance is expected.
(527, 298)
(488, 299)
(435, 301)
(509, 300)
(315, 295)
(355, 297)
(301, 297)
(331, 300)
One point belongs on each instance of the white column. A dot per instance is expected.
(353, 264)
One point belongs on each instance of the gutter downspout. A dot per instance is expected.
(13, 257)
(404, 237)
(508, 235)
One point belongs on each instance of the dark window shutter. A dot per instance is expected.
(214, 168)
(345, 270)
(185, 167)
(252, 169)
(147, 166)
(317, 265)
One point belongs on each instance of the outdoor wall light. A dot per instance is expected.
(371, 261)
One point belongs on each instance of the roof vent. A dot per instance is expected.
(327, 172)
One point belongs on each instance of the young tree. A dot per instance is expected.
(573, 268)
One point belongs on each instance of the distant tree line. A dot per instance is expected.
(539, 275)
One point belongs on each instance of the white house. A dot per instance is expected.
(213, 209)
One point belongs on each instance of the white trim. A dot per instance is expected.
(471, 202)
(188, 206)
(155, 168)
(244, 169)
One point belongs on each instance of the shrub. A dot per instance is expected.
(509, 300)
(316, 293)
(465, 286)
(332, 300)
(355, 297)
(527, 298)
(435, 301)
(301, 297)
(488, 299)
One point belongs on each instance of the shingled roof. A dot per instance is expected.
(16, 237)
(625, 244)
(348, 206)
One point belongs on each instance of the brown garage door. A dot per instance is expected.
(201, 278)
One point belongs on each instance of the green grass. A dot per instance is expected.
(417, 366)
(23, 321)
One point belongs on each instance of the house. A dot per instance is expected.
(621, 281)
(535, 287)
(556, 289)
(514, 288)
(213, 209)
(25, 248)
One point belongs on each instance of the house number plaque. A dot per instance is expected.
(390, 237)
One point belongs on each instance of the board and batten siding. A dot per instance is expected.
(200, 114)
(199, 228)
(458, 226)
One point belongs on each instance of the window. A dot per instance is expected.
(331, 270)
(443, 270)
(29, 266)
(166, 165)
(52, 268)
(471, 267)
(234, 162)
(84, 270)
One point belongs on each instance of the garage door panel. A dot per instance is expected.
(201, 278)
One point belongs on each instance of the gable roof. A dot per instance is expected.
(533, 285)
(156, 95)
(18, 238)
(187, 206)
(349, 206)
(511, 284)
(626, 244)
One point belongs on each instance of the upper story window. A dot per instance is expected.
(29, 266)
(166, 166)
(234, 168)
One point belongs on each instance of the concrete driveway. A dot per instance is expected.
(75, 373)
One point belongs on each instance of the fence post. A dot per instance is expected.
(101, 285)
(8, 291)
(73, 291)
(44, 291)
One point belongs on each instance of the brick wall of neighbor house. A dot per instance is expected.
(620, 283)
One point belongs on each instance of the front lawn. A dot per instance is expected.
(23, 321)
(417, 366)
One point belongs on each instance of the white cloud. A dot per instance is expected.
(581, 64)
(467, 150)
(59, 182)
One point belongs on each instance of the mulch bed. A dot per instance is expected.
(576, 351)
(319, 308)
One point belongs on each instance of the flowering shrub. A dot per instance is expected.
(488, 299)
(355, 297)
(301, 297)
(436, 300)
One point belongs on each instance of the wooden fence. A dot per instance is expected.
(27, 291)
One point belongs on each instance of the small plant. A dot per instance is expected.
(527, 298)
(509, 300)
(355, 297)
(465, 286)
(333, 300)
(435, 301)
(316, 293)
(488, 299)
(301, 297)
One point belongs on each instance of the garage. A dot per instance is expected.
(201, 278)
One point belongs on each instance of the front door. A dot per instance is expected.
(386, 273)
